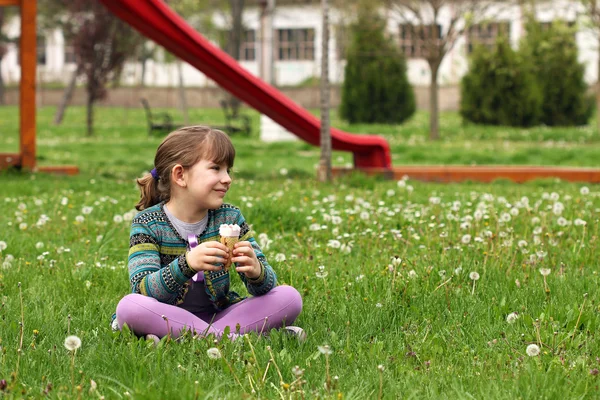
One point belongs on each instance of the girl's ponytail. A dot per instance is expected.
(149, 193)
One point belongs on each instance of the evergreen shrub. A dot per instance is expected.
(500, 88)
(553, 52)
(376, 87)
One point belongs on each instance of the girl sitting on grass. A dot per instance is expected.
(177, 285)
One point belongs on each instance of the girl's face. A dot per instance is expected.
(208, 183)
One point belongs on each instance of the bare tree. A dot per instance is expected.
(324, 173)
(101, 45)
(591, 9)
(423, 19)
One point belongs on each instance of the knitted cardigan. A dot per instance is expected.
(157, 258)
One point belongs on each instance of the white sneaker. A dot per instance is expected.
(295, 331)
(153, 338)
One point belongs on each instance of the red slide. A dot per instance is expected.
(158, 22)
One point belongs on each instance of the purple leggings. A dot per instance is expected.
(276, 309)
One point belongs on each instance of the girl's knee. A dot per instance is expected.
(131, 308)
(291, 295)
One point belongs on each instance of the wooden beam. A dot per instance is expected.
(4, 3)
(27, 96)
(59, 169)
(459, 173)
(9, 160)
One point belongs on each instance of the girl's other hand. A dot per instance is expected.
(245, 260)
(206, 256)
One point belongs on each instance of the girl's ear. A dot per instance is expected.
(178, 175)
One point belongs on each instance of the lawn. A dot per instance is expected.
(420, 290)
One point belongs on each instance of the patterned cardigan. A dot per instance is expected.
(157, 258)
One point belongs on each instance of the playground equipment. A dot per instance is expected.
(372, 155)
(26, 157)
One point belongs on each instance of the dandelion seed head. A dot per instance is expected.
(474, 275)
(545, 271)
(512, 317)
(213, 353)
(72, 343)
(533, 350)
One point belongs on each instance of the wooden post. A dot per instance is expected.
(25, 159)
(27, 97)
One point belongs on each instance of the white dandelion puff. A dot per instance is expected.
(545, 271)
(213, 353)
(533, 350)
(325, 349)
(474, 275)
(512, 317)
(280, 257)
(72, 343)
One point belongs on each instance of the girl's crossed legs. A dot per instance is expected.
(276, 309)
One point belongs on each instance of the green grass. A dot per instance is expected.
(436, 332)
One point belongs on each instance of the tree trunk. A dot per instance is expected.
(182, 99)
(434, 108)
(1, 84)
(143, 77)
(324, 172)
(2, 51)
(66, 99)
(598, 96)
(235, 44)
(90, 114)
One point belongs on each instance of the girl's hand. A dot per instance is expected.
(204, 256)
(245, 260)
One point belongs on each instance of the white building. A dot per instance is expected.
(296, 45)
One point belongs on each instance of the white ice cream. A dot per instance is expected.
(229, 230)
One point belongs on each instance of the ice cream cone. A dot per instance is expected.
(229, 241)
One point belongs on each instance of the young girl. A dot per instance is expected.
(176, 262)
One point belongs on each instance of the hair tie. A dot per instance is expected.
(154, 174)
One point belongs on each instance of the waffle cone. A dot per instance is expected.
(229, 241)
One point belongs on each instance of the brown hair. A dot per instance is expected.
(185, 146)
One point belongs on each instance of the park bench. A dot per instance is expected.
(158, 122)
(163, 122)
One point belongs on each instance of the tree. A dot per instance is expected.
(101, 44)
(553, 52)
(424, 19)
(375, 87)
(501, 88)
(591, 10)
(325, 160)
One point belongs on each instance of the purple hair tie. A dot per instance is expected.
(154, 174)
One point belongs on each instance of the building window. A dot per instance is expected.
(295, 44)
(414, 39)
(248, 46)
(69, 55)
(41, 50)
(486, 34)
(247, 43)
